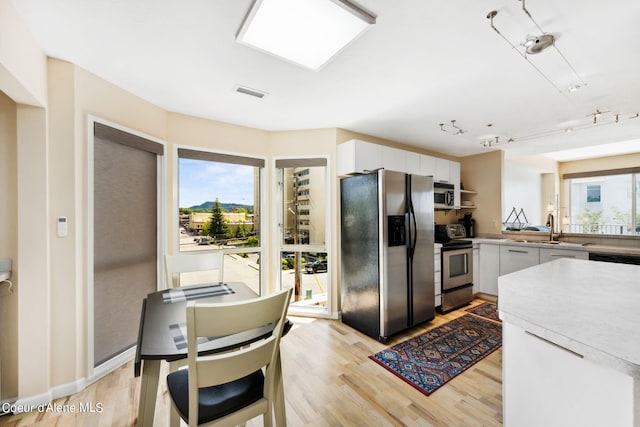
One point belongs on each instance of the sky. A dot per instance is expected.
(201, 181)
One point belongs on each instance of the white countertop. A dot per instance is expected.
(532, 243)
(589, 307)
(623, 250)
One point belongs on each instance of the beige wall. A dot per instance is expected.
(23, 80)
(8, 247)
(600, 163)
(23, 66)
(44, 175)
(74, 95)
(483, 174)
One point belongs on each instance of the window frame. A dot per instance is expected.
(278, 245)
(96, 372)
(634, 174)
(256, 161)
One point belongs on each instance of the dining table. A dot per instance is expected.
(162, 336)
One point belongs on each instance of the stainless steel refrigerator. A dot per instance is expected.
(387, 264)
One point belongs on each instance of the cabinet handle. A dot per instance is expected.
(520, 252)
(554, 344)
(563, 255)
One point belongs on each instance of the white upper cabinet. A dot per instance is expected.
(358, 157)
(427, 165)
(442, 170)
(413, 163)
(394, 159)
(361, 157)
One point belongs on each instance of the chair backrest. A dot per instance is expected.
(176, 265)
(212, 320)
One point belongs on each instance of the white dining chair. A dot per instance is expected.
(192, 269)
(230, 388)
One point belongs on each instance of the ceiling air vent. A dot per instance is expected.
(248, 91)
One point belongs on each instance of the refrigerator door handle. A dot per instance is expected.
(413, 227)
(415, 234)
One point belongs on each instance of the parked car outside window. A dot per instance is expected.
(316, 266)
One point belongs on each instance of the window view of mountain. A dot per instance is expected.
(227, 207)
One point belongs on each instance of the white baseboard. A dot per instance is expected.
(68, 389)
(31, 403)
(111, 365)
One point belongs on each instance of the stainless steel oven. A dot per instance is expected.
(457, 266)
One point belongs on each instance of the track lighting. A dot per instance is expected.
(536, 44)
(617, 118)
(455, 130)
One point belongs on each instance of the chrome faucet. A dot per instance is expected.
(551, 225)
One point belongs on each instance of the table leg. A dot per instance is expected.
(148, 392)
(174, 418)
(279, 410)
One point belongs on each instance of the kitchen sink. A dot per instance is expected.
(548, 242)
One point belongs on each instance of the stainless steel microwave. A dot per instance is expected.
(443, 195)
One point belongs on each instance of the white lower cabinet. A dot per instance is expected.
(499, 259)
(437, 288)
(547, 385)
(517, 257)
(489, 269)
(550, 254)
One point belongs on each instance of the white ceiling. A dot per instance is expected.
(423, 63)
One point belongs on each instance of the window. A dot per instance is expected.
(219, 208)
(593, 193)
(604, 204)
(126, 175)
(305, 264)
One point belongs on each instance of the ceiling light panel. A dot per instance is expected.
(308, 33)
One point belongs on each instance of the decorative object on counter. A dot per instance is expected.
(487, 310)
(430, 360)
(516, 223)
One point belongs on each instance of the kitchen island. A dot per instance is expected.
(571, 344)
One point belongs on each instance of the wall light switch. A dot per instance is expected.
(62, 226)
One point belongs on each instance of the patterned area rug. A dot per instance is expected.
(430, 360)
(487, 310)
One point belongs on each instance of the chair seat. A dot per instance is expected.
(216, 401)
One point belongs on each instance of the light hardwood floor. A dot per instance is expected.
(328, 380)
